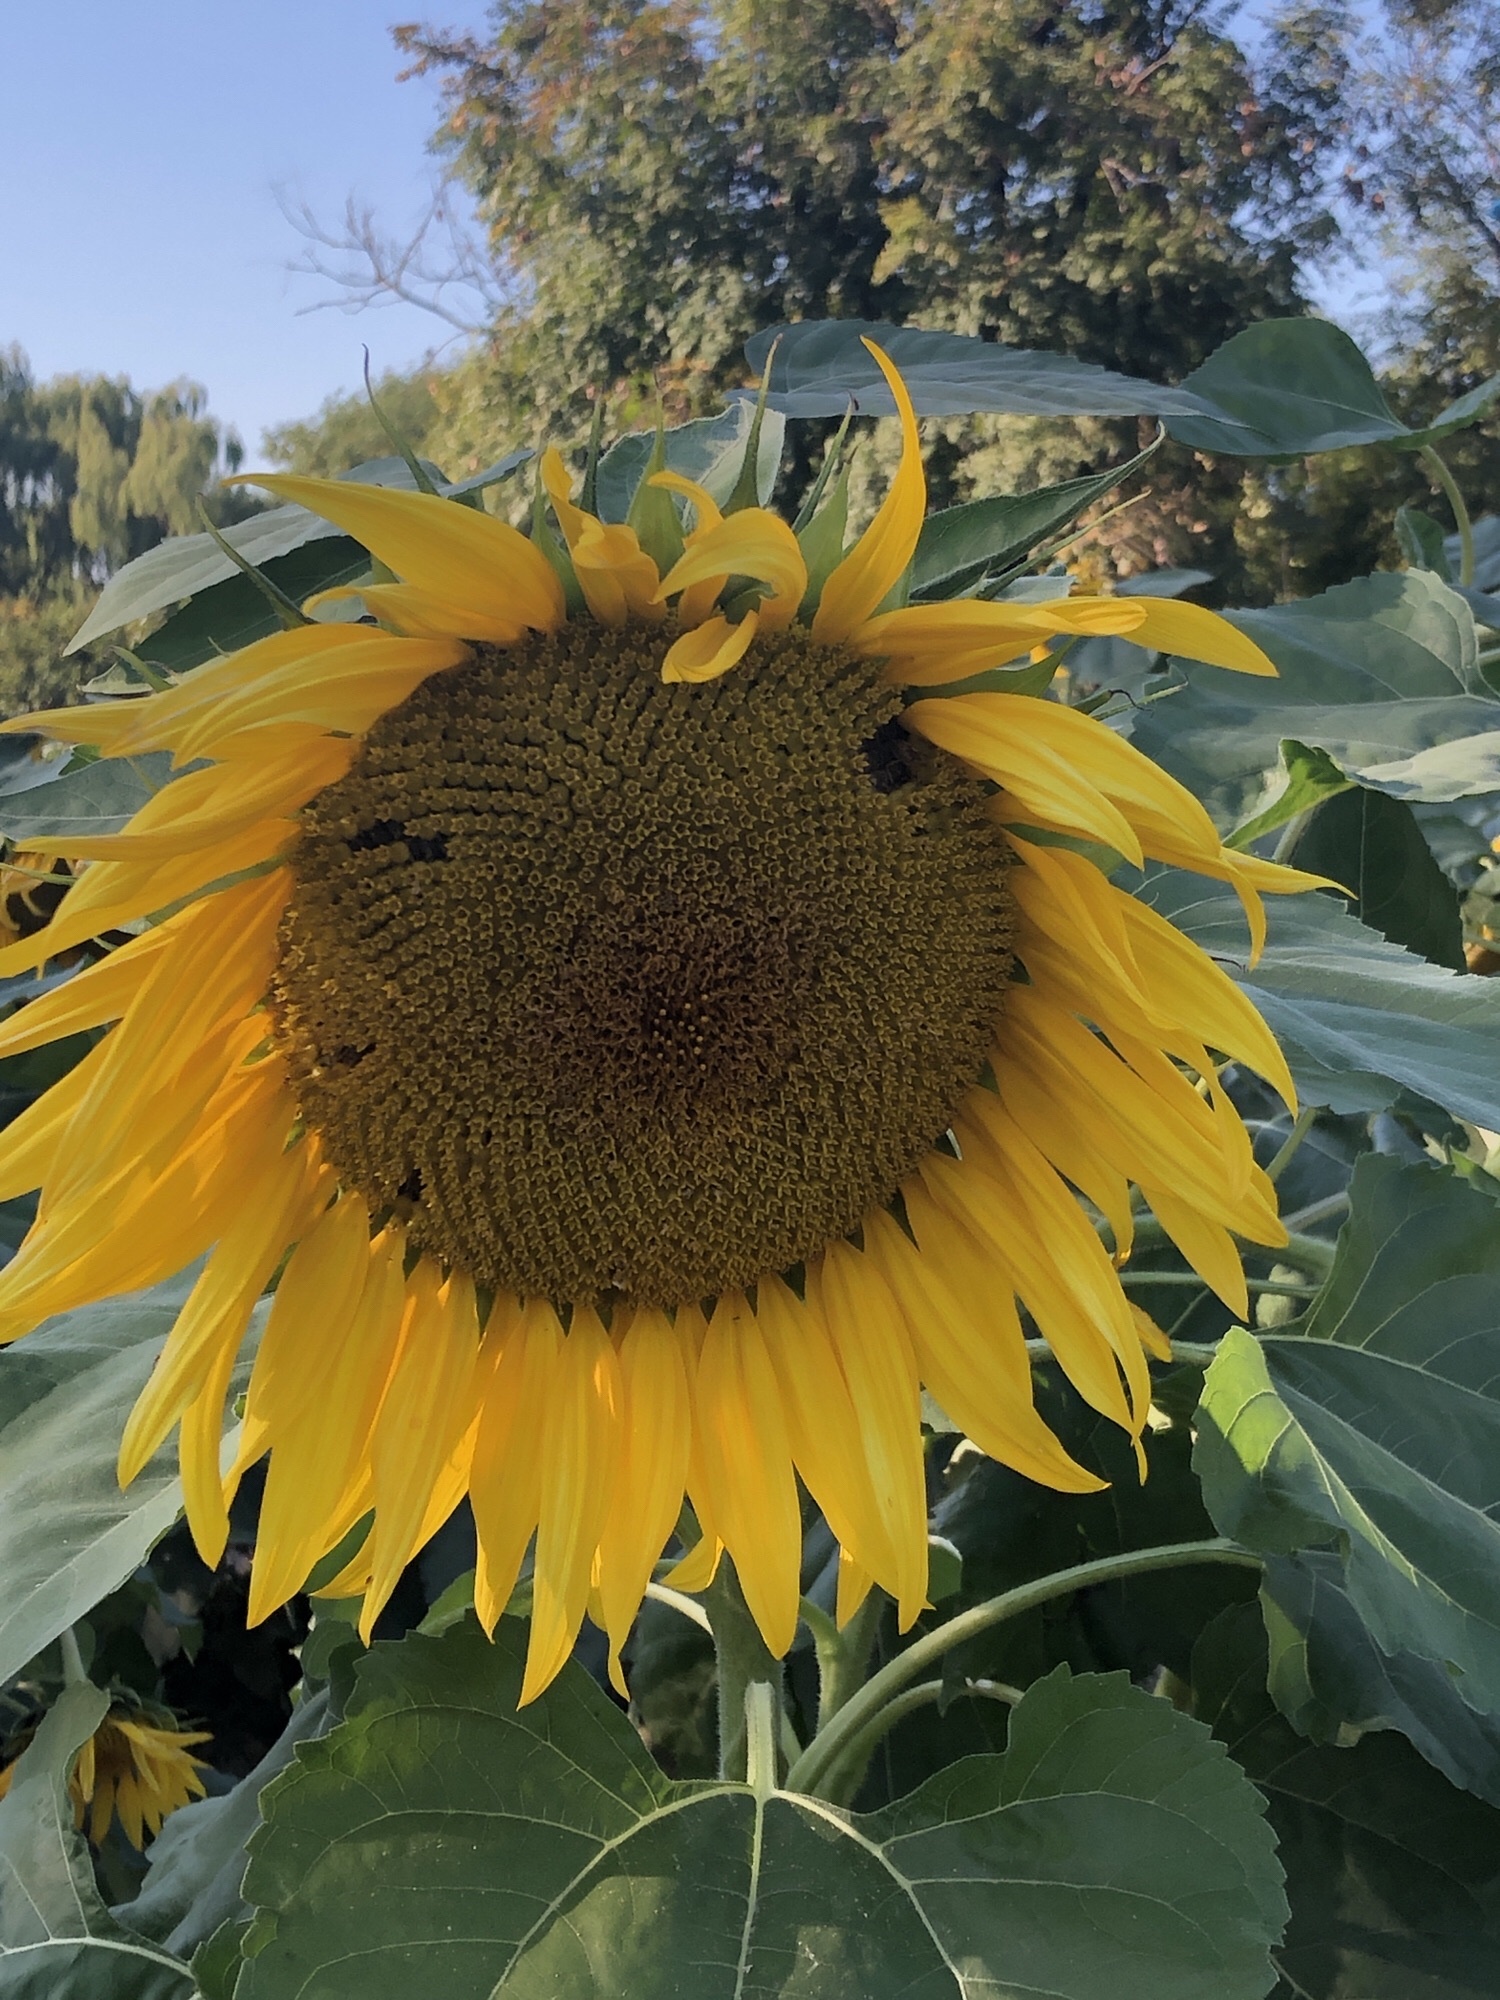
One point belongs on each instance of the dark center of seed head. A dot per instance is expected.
(608, 985)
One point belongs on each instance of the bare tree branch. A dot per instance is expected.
(442, 266)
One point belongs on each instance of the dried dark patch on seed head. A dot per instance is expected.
(701, 975)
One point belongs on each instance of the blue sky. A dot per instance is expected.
(140, 232)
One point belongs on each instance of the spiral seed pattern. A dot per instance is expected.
(605, 986)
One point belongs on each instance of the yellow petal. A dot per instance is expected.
(515, 1416)
(650, 1470)
(968, 1339)
(747, 1466)
(869, 1334)
(429, 1406)
(1043, 783)
(929, 645)
(709, 650)
(1195, 634)
(496, 576)
(824, 1426)
(751, 543)
(618, 579)
(879, 559)
(577, 1475)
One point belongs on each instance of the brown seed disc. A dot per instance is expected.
(606, 985)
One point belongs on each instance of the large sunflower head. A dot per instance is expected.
(670, 1014)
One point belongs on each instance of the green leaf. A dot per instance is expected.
(1372, 1429)
(1360, 1020)
(68, 1534)
(57, 1940)
(1311, 776)
(1334, 1684)
(93, 799)
(1420, 540)
(186, 564)
(1380, 675)
(708, 450)
(442, 1838)
(1391, 1873)
(1374, 846)
(1292, 386)
(232, 614)
(197, 1861)
(1486, 551)
(821, 364)
(958, 547)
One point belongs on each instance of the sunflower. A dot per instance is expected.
(661, 1015)
(137, 1768)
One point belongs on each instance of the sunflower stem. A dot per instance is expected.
(743, 1657)
(842, 1656)
(828, 1749)
(761, 1704)
(1308, 1253)
(1302, 1125)
(74, 1670)
(841, 1784)
(1444, 478)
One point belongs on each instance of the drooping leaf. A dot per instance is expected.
(1373, 845)
(441, 1838)
(821, 364)
(1379, 674)
(1360, 1020)
(1311, 777)
(1372, 1428)
(93, 799)
(1334, 1684)
(57, 1940)
(68, 1534)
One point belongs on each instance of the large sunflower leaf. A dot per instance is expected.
(94, 798)
(1360, 1020)
(57, 1940)
(1292, 386)
(821, 365)
(1393, 1876)
(443, 1839)
(1380, 674)
(68, 1534)
(1280, 389)
(1371, 1429)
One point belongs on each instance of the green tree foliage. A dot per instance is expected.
(661, 179)
(92, 474)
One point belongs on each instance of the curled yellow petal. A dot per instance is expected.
(878, 560)
(709, 650)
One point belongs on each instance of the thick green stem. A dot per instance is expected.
(1273, 1285)
(829, 1747)
(840, 1785)
(1318, 1211)
(842, 1656)
(1461, 520)
(743, 1658)
(1311, 1253)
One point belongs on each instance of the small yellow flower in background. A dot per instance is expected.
(663, 1045)
(133, 1769)
(31, 888)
